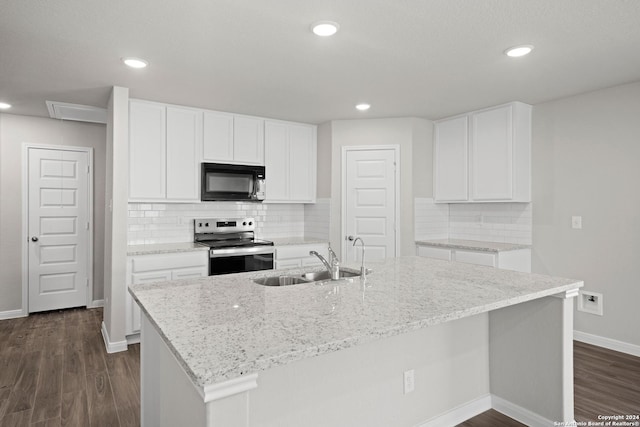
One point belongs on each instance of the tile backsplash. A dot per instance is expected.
(493, 222)
(151, 223)
(317, 219)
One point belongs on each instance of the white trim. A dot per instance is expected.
(571, 293)
(519, 413)
(96, 303)
(133, 339)
(112, 347)
(11, 314)
(228, 388)
(25, 218)
(611, 344)
(343, 183)
(461, 413)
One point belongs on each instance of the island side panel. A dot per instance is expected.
(363, 385)
(531, 360)
(168, 397)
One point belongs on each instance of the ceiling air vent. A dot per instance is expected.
(79, 113)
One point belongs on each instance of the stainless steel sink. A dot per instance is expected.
(324, 275)
(280, 280)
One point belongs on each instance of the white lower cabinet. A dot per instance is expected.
(516, 260)
(295, 256)
(159, 268)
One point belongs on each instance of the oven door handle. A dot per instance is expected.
(219, 253)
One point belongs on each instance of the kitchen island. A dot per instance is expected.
(225, 351)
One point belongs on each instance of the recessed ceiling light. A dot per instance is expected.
(4, 106)
(363, 106)
(517, 51)
(135, 62)
(325, 28)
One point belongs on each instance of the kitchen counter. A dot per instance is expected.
(223, 350)
(223, 327)
(472, 245)
(285, 241)
(165, 248)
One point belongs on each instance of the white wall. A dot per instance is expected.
(413, 135)
(115, 208)
(586, 156)
(15, 131)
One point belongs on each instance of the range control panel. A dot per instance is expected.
(223, 225)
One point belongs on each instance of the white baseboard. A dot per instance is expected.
(112, 347)
(460, 413)
(12, 314)
(133, 339)
(611, 344)
(96, 303)
(519, 413)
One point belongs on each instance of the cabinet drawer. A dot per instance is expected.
(189, 273)
(437, 253)
(154, 276)
(288, 263)
(478, 258)
(300, 251)
(144, 263)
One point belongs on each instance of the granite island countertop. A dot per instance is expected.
(472, 245)
(223, 327)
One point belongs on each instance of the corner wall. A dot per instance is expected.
(586, 151)
(413, 135)
(15, 131)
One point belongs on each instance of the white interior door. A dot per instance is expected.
(370, 203)
(58, 226)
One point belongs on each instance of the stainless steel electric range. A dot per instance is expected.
(234, 248)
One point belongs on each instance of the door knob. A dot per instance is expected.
(34, 239)
(350, 238)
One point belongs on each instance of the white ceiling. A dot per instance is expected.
(425, 58)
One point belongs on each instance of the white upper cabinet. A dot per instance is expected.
(164, 147)
(248, 140)
(290, 162)
(230, 138)
(484, 156)
(218, 137)
(184, 133)
(147, 151)
(451, 168)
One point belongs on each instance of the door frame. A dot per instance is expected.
(25, 218)
(343, 185)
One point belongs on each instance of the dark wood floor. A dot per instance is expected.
(54, 371)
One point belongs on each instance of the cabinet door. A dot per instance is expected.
(302, 164)
(147, 151)
(183, 142)
(437, 253)
(132, 319)
(492, 154)
(276, 160)
(478, 258)
(217, 143)
(451, 160)
(248, 140)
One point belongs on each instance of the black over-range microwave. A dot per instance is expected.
(225, 182)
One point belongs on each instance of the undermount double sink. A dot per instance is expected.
(316, 276)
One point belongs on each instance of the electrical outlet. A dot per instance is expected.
(409, 383)
(576, 222)
(590, 302)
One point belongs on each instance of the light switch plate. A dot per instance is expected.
(576, 222)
